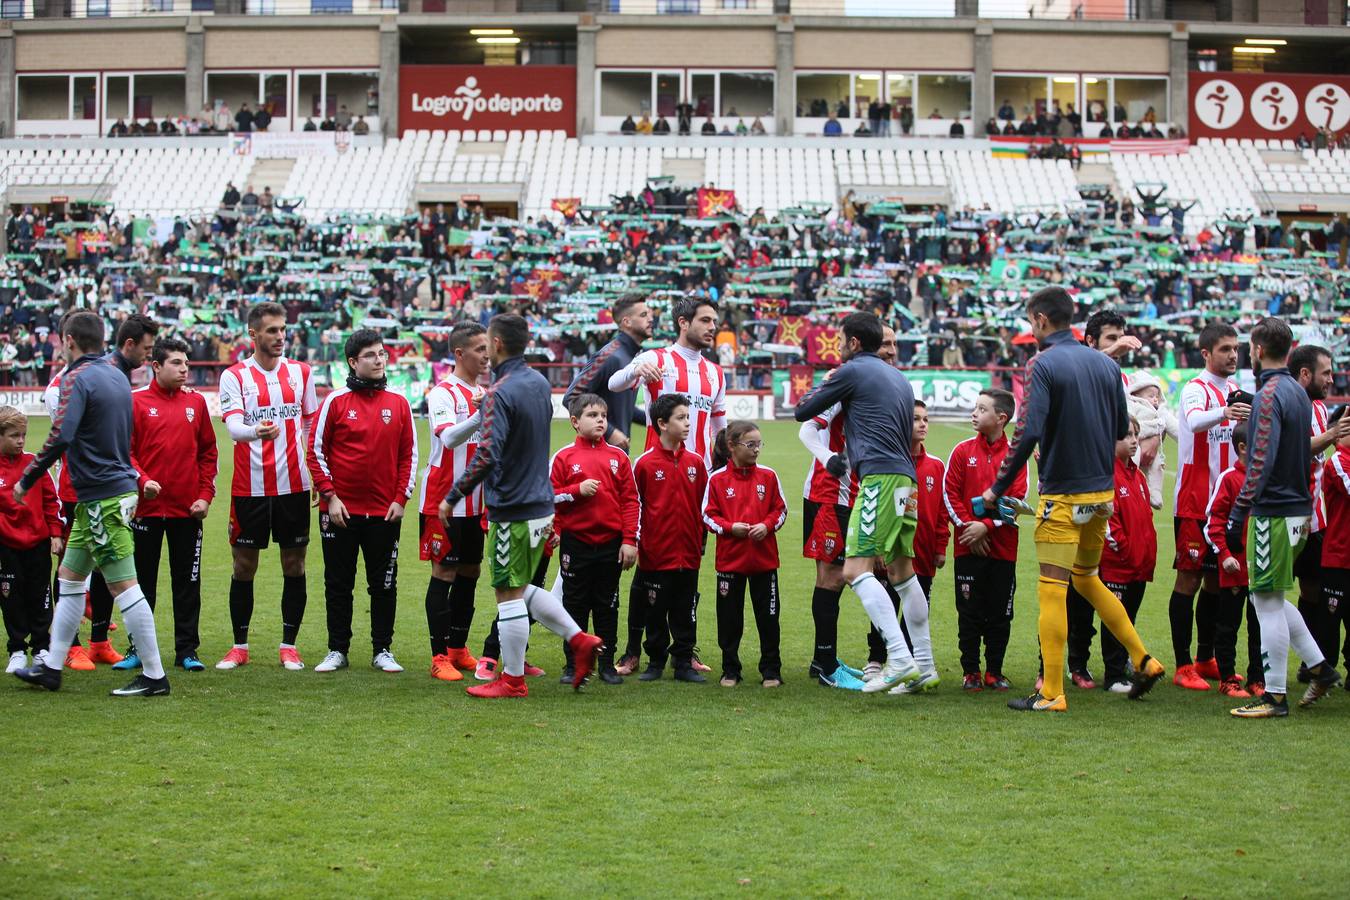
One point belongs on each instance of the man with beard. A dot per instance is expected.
(1311, 367)
(633, 321)
(682, 368)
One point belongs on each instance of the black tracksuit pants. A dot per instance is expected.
(377, 541)
(669, 613)
(731, 621)
(590, 578)
(985, 588)
(26, 597)
(1114, 655)
(185, 565)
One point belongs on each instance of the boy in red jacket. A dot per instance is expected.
(744, 506)
(670, 482)
(173, 448)
(30, 533)
(930, 538)
(1336, 544)
(1233, 582)
(1130, 553)
(597, 516)
(985, 549)
(363, 460)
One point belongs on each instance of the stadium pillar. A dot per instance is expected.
(586, 37)
(194, 68)
(1178, 83)
(982, 97)
(784, 85)
(8, 86)
(389, 58)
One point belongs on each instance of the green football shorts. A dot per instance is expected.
(515, 549)
(101, 537)
(885, 517)
(1273, 544)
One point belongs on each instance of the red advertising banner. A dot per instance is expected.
(1265, 105)
(460, 98)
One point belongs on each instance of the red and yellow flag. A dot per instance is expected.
(791, 330)
(568, 206)
(714, 202)
(824, 346)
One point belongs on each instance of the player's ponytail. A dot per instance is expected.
(735, 430)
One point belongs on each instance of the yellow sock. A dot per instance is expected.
(1053, 595)
(1112, 613)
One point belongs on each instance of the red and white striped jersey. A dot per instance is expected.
(1319, 427)
(284, 396)
(1203, 454)
(685, 372)
(450, 403)
(821, 486)
(50, 398)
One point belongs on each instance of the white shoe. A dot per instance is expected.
(332, 662)
(40, 658)
(384, 661)
(1119, 687)
(871, 671)
(17, 660)
(924, 683)
(892, 674)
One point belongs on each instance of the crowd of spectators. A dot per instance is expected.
(944, 277)
(218, 118)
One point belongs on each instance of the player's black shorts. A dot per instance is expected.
(459, 545)
(255, 521)
(1309, 562)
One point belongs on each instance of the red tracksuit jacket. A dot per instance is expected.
(971, 470)
(1336, 493)
(753, 496)
(609, 513)
(670, 485)
(1131, 549)
(172, 442)
(930, 540)
(364, 449)
(39, 518)
(1216, 520)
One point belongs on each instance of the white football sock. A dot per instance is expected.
(557, 589)
(65, 620)
(548, 611)
(914, 605)
(513, 631)
(1301, 638)
(877, 604)
(140, 621)
(1274, 639)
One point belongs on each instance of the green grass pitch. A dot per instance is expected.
(261, 782)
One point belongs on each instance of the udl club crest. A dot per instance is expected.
(614, 466)
(692, 473)
(386, 415)
(928, 481)
(759, 489)
(191, 414)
